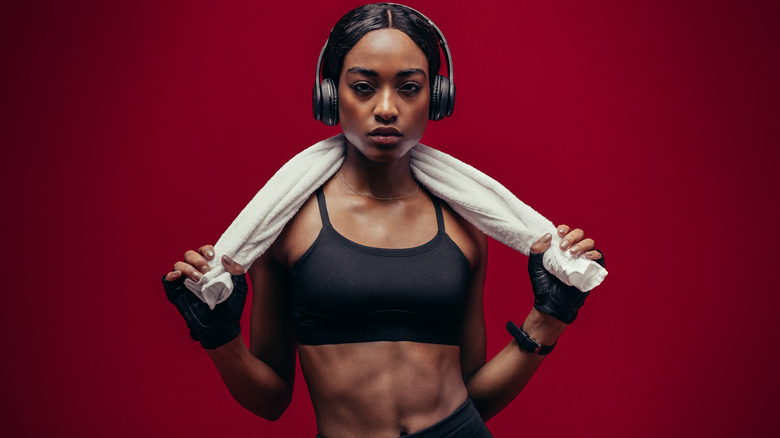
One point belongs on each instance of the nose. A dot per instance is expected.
(386, 110)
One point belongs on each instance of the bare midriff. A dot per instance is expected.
(381, 389)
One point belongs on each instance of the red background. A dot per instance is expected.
(132, 131)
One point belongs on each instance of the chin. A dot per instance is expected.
(383, 154)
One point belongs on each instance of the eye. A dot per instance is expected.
(362, 88)
(410, 88)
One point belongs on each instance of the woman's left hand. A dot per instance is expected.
(551, 295)
(572, 241)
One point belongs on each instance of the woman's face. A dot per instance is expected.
(384, 95)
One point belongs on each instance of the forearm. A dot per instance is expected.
(252, 382)
(502, 378)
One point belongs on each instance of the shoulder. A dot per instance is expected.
(298, 234)
(472, 241)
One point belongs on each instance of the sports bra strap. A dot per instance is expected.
(326, 219)
(323, 207)
(439, 215)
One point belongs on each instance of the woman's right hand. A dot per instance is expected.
(196, 264)
(212, 328)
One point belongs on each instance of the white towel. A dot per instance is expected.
(481, 200)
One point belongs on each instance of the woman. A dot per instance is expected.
(375, 282)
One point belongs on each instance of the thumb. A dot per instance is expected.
(231, 266)
(542, 244)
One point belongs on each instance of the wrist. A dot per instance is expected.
(526, 342)
(229, 349)
(221, 337)
(542, 327)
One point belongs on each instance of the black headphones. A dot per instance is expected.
(325, 100)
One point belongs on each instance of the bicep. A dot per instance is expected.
(271, 336)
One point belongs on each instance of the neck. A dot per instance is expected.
(381, 180)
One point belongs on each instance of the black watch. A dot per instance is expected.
(526, 343)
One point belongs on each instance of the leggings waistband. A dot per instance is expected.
(464, 422)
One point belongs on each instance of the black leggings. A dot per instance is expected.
(465, 422)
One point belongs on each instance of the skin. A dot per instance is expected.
(382, 389)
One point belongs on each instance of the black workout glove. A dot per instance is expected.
(212, 328)
(551, 295)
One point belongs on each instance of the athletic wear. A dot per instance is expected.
(212, 328)
(344, 292)
(465, 422)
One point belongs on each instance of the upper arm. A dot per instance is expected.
(473, 344)
(473, 336)
(271, 329)
(271, 334)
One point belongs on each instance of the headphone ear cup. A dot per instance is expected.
(329, 102)
(441, 101)
(316, 102)
(449, 91)
(433, 111)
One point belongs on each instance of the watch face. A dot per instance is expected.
(531, 345)
(525, 342)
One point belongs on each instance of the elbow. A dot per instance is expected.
(485, 410)
(274, 412)
(271, 415)
(272, 406)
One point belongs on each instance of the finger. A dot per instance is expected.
(187, 270)
(562, 230)
(593, 255)
(582, 247)
(571, 238)
(542, 244)
(231, 266)
(207, 251)
(198, 261)
(173, 275)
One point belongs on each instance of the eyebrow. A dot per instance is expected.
(373, 73)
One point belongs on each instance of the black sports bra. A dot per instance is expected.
(344, 292)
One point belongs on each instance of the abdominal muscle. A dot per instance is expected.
(381, 389)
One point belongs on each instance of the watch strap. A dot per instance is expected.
(526, 342)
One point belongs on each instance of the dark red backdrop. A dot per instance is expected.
(132, 131)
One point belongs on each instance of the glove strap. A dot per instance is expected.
(526, 343)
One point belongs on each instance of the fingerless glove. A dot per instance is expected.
(212, 328)
(551, 295)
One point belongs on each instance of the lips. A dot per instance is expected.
(385, 131)
(385, 135)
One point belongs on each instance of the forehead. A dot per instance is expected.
(386, 49)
